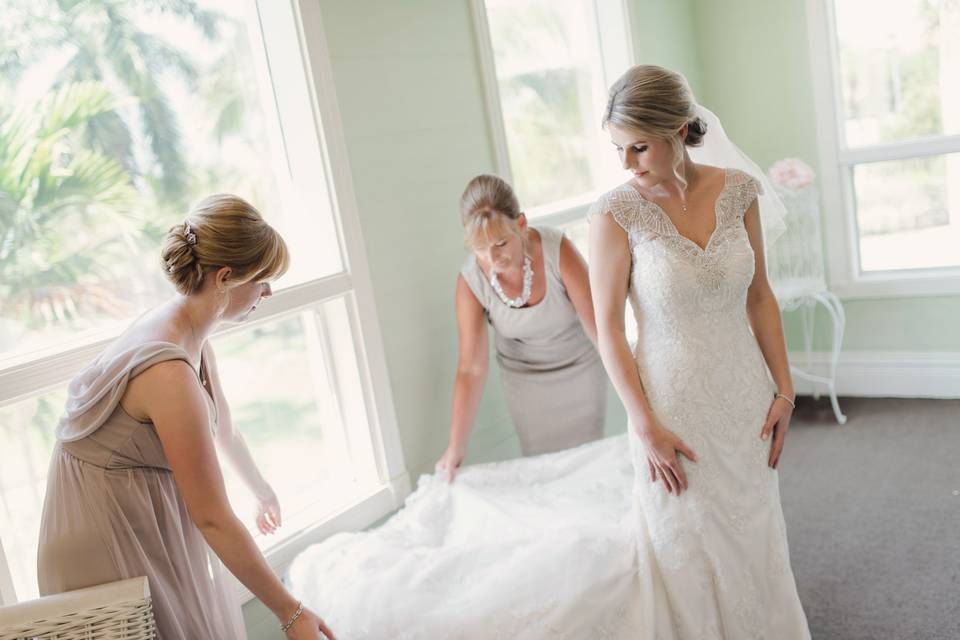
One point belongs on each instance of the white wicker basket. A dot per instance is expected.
(105, 612)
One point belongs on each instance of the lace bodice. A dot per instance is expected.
(680, 292)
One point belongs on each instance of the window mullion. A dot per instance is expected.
(43, 374)
(901, 150)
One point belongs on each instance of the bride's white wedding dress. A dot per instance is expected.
(525, 549)
(718, 555)
(576, 544)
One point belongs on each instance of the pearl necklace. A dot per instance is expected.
(527, 285)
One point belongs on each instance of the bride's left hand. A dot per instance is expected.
(268, 512)
(778, 423)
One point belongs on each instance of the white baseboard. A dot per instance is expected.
(894, 374)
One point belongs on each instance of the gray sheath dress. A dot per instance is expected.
(113, 511)
(552, 376)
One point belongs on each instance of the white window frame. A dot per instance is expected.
(292, 37)
(837, 189)
(613, 16)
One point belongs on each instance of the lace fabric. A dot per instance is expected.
(721, 549)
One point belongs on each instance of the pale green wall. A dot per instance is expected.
(755, 74)
(664, 34)
(410, 96)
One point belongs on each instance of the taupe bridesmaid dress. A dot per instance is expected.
(113, 511)
(552, 376)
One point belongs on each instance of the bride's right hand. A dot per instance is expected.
(309, 626)
(449, 462)
(662, 446)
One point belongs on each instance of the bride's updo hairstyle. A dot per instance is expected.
(222, 230)
(656, 102)
(488, 209)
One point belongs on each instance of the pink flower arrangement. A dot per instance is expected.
(791, 173)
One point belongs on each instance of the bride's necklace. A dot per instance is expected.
(524, 297)
(686, 190)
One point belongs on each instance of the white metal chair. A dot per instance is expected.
(796, 270)
(106, 612)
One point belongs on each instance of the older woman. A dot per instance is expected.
(531, 284)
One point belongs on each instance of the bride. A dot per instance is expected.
(684, 242)
(620, 539)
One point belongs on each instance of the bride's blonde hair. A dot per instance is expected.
(488, 209)
(656, 102)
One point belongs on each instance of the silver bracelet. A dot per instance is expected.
(780, 395)
(293, 618)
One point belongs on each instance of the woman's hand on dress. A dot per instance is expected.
(777, 424)
(449, 462)
(268, 511)
(309, 626)
(662, 446)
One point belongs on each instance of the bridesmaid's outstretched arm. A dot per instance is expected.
(472, 365)
(234, 447)
(172, 398)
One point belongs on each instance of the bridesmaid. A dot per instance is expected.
(134, 486)
(531, 284)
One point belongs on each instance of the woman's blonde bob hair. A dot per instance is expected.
(222, 230)
(656, 102)
(489, 210)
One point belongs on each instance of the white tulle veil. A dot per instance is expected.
(718, 150)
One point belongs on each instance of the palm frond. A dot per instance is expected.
(206, 20)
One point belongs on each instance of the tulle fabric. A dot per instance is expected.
(534, 548)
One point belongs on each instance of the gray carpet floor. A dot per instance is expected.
(873, 517)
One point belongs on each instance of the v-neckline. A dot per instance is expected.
(716, 214)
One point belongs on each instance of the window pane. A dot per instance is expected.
(26, 442)
(899, 69)
(579, 234)
(908, 213)
(114, 119)
(289, 397)
(552, 93)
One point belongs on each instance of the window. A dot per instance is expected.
(547, 68)
(888, 111)
(114, 118)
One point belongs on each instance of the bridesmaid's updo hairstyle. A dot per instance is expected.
(656, 102)
(488, 209)
(222, 230)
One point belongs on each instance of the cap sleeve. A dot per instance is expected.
(623, 203)
(746, 188)
(474, 278)
(550, 238)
